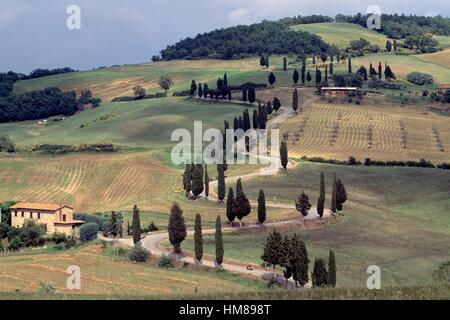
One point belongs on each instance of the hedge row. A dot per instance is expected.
(147, 96)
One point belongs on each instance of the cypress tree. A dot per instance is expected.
(380, 70)
(219, 241)
(395, 45)
(267, 61)
(244, 95)
(276, 104)
(300, 261)
(331, 269)
(341, 194)
(128, 228)
(220, 182)
(295, 100)
(321, 199)
(255, 119)
(205, 90)
(230, 201)
(272, 78)
(303, 71)
(349, 65)
(372, 71)
(176, 227)
(302, 204)
(261, 207)
(241, 123)
(247, 124)
(206, 182)
(331, 68)
(333, 196)
(235, 124)
(198, 237)
(229, 96)
(251, 95)
(262, 117)
(308, 76)
(318, 76)
(362, 71)
(326, 74)
(193, 88)
(284, 63)
(273, 252)
(284, 155)
(113, 225)
(388, 73)
(295, 76)
(320, 273)
(197, 181)
(285, 261)
(200, 90)
(136, 225)
(314, 59)
(241, 204)
(262, 61)
(269, 107)
(388, 46)
(225, 81)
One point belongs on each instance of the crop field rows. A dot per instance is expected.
(340, 131)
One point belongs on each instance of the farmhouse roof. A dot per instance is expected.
(39, 206)
(340, 88)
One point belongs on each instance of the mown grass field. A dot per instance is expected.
(312, 132)
(105, 274)
(441, 58)
(396, 218)
(341, 34)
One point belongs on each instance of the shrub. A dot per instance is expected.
(95, 218)
(166, 261)
(88, 232)
(46, 287)
(442, 274)
(105, 228)
(420, 78)
(58, 238)
(31, 234)
(139, 254)
(15, 244)
(151, 227)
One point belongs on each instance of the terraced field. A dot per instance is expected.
(108, 83)
(107, 275)
(382, 132)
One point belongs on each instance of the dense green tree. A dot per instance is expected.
(219, 241)
(334, 196)
(380, 71)
(230, 201)
(114, 225)
(303, 71)
(272, 79)
(176, 227)
(187, 186)
(261, 207)
(295, 100)
(284, 159)
(285, 63)
(285, 261)
(198, 238)
(136, 225)
(302, 204)
(341, 194)
(395, 45)
(241, 204)
(295, 76)
(273, 253)
(388, 46)
(323, 56)
(331, 269)
(193, 88)
(302, 264)
(308, 76)
(362, 71)
(197, 180)
(349, 65)
(320, 273)
(276, 104)
(255, 119)
(388, 74)
(206, 182)
(220, 182)
(251, 95)
(200, 90)
(321, 199)
(205, 91)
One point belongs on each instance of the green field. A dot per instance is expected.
(341, 34)
(444, 41)
(396, 218)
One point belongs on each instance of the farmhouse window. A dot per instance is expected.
(64, 217)
(39, 215)
(15, 213)
(31, 215)
(23, 214)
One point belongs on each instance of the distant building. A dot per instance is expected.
(54, 217)
(338, 91)
(442, 88)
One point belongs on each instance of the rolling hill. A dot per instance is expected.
(341, 34)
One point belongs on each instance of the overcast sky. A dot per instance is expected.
(34, 33)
